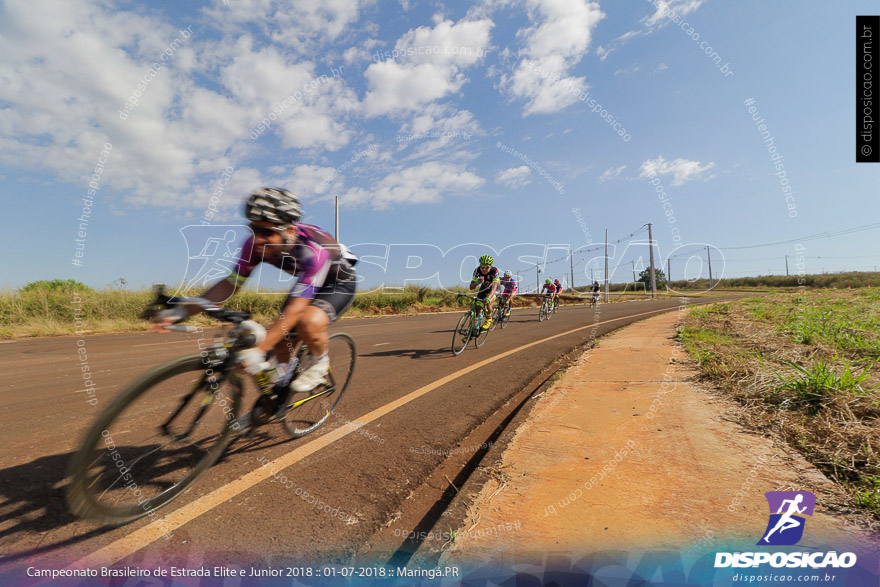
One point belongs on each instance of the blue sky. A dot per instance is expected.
(437, 124)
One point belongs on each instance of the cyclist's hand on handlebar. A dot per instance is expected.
(164, 318)
(252, 360)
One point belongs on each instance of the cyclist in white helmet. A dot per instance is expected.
(509, 289)
(323, 290)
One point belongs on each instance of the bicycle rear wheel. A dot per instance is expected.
(306, 411)
(462, 335)
(145, 449)
(542, 313)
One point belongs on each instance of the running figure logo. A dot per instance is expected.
(212, 252)
(787, 521)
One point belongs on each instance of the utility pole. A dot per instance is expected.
(634, 272)
(537, 280)
(709, 257)
(571, 263)
(668, 272)
(653, 277)
(786, 265)
(606, 265)
(337, 219)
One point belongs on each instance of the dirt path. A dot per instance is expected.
(625, 453)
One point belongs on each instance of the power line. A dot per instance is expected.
(570, 254)
(812, 237)
(807, 238)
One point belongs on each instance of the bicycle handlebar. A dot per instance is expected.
(211, 308)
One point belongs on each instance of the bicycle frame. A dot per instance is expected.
(479, 308)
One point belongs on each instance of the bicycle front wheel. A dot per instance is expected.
(505, 315)
(462, 335)
(481, 335)
(145, 449)
(306, 411)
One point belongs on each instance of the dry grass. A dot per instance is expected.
(54, 308)
(802, 367)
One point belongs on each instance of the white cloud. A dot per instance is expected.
(423, 183)
(426, 65)
(69, 67)
(611, 173)
(439, 129)
(357, 54)
(303, 25)
(666, 9)
(557, 40)
(664, 12)
(628, 71)
(515, 177)
(682, 170)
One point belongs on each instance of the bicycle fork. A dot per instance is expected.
(210, 383)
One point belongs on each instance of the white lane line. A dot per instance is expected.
(381, 343)
(128, 545)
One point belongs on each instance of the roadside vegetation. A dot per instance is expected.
(50, 307)
(59, 307)
(805, 367)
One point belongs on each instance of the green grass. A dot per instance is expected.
(702, 344)
(705, 311)
(803, 367)
(815, 384)
(868, 492)
(67, 307)
(854, 279)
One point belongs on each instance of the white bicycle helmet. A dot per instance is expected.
(274, 205)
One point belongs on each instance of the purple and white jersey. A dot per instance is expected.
(310, 260)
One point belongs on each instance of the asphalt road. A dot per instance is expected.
(233, 514)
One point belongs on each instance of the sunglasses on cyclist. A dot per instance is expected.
(484, 266)
(266, 231)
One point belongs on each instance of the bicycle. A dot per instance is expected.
(555, 304)
(544, 312)
(502, 313)
(470, 326)
(594, 300)
(197, 399)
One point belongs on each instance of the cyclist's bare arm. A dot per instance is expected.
(219, 292)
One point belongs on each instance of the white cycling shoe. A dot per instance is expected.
(312, 377)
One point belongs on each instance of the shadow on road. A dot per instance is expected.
(413, 353)
(33, 502)
(33, 495)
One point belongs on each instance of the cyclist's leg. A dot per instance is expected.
(329, 304)
(481, 308)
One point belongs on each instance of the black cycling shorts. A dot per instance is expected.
(337, 295)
